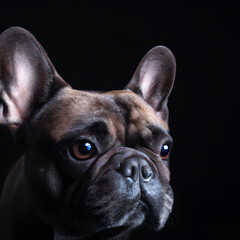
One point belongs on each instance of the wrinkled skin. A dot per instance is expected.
(123, 182)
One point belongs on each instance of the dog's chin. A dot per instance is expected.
(116, 222)
(102, 222)
(139, 216)
(107, 226)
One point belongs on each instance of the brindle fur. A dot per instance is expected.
(90, 199)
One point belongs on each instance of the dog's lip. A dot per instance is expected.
(144, 204)
(112, 231)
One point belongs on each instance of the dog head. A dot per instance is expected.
(95, 163)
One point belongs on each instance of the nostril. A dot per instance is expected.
(129, 170)
(136, 169)
(146, 173)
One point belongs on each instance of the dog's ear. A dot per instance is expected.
(27, 77)
(154, 78)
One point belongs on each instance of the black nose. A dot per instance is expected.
(136, 168)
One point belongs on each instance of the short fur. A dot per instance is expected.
(122, 185)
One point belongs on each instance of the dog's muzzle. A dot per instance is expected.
(127, 190)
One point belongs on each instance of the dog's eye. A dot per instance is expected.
(165, 151)
(82, 150)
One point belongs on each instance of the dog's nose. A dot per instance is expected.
(136, 168)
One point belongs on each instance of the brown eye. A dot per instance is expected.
(165, 151)
(82, 150)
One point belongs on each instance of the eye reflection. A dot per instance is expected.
(165, 151)
(82, 150)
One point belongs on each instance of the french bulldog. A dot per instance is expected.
(95, 164)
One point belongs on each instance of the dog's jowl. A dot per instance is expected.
(95, 165)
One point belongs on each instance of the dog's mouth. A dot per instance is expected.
(142, 214)
(106, 227)
(113, 218)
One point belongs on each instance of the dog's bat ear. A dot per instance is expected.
(154, 78)
(27, 76)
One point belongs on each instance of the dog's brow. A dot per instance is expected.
(156, 130)
(97, 128)
(159, 133)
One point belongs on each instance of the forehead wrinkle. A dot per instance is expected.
(98, 129)
(139, 110)
(73, 107)
(76, 108)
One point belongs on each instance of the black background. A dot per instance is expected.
(98, 45)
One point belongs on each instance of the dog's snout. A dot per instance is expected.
(135, 168)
